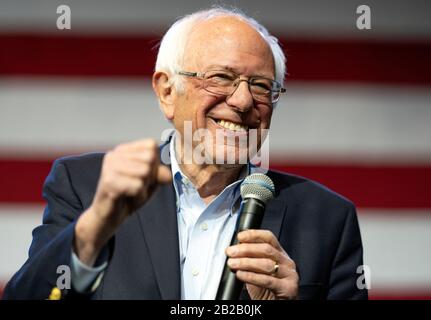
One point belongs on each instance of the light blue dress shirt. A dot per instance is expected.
(205, 231)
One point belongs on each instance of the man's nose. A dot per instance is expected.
(241, 98)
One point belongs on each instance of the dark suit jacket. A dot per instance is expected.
(317, 228)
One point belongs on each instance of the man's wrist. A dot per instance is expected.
(90, 237)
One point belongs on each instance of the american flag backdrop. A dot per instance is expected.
(356, 116)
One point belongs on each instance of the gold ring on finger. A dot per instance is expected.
(275, 268)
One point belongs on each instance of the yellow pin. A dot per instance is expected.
(55, 294)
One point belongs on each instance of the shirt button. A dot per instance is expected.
(204, 226)
(195, 272)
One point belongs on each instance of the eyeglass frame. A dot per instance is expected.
(201, 75)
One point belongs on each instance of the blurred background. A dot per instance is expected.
(356, 116)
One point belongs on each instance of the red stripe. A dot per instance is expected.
(368, 186)
(372, 186)
(22, 180)
(77, 56)
(134, 55)
(399, 294)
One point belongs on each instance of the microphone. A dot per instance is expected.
(256, 190)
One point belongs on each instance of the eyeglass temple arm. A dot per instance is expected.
(189, 74)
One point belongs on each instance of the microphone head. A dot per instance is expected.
(258, 186)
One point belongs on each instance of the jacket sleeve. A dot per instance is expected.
(49, 260)
(346, 280)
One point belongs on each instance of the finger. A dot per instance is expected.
(260, 250)
(258, 279)
(253, 250)
(138, 145)
(164, 174)
(285, 288)
(258, 265)
(127, 186)
(149, 156)
(259, 236)
(133, 169)
(116, 157)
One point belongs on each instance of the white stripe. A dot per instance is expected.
(397, 18)
(396, 244)
(338, 121)
(16, 225)
(397, 248)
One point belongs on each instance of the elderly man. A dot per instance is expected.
(131, 227)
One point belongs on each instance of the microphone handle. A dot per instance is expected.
(251, 215)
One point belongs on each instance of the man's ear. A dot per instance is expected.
(166, 93)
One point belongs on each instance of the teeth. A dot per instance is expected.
(232, 126)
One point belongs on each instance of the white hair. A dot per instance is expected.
(172, 47)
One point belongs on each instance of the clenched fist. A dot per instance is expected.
(130, 174)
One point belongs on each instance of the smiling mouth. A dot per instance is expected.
(232, 126)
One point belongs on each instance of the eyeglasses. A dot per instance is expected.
(225, 83)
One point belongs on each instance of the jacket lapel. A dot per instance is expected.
(274, 213)
(158, 219)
